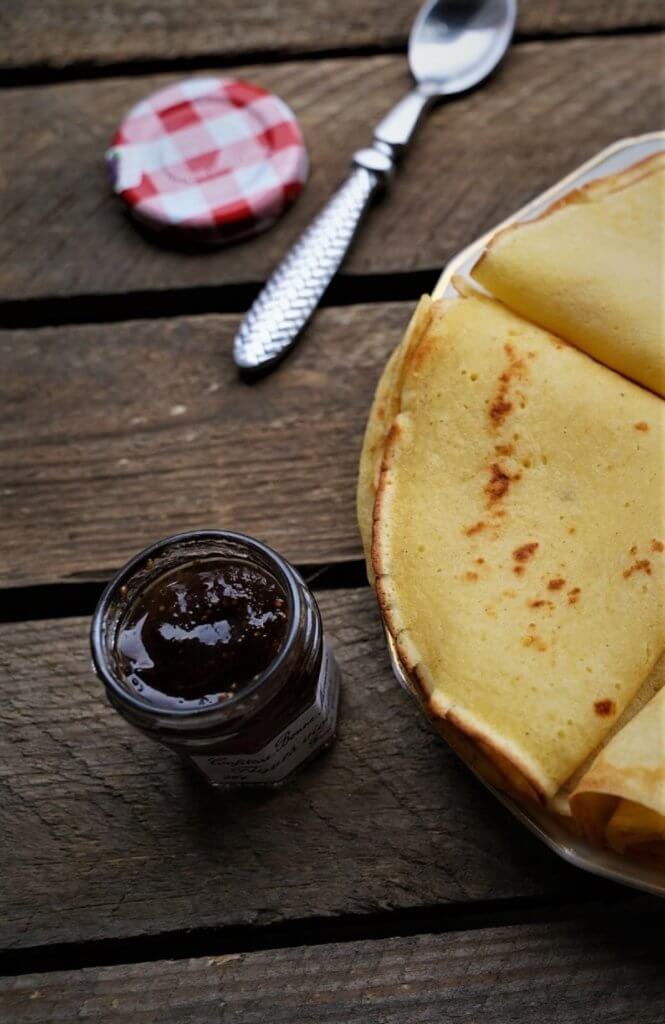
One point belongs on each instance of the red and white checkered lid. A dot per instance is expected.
(212, 158)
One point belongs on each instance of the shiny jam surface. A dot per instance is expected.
(201, 632)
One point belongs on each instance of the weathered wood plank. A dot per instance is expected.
(596, 972)
(106, 835)
(48, 32)
(115, 435)
(549, 107)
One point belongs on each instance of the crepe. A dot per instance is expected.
(620, 801)
(592, 270)
(384, 409)
(518, 538)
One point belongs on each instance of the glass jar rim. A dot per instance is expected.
(286, 574)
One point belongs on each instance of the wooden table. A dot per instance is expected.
(384, 885)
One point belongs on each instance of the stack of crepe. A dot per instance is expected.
(511, 500)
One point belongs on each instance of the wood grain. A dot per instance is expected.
(48, 32)
(106, 835)
(551, 106)
(596, 972)
(115, 435)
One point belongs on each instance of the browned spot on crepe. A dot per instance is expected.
(525, 552)
(499, 482)
(642, 565)
(500, 406)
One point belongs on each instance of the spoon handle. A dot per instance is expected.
(294, 290)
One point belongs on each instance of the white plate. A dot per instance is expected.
(576, 851)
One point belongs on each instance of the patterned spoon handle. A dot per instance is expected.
(294, 290)
(291, 295)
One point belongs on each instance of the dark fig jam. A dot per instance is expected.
(211, 643)
(201, 632)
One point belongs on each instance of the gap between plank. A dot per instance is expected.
(66, 600)
(30, 75)
(82, 71)
(345, 290)
(636, 911)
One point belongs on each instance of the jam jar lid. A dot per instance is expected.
(212, 159)
(135, 574)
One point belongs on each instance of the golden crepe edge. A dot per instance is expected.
(384, 408)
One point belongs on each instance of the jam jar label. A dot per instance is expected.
(309, 732)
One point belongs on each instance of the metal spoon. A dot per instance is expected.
(453, 45)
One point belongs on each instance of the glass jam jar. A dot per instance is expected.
(210, 643)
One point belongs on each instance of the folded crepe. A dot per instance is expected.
(620, 801)
(592, 270)
(517, 536)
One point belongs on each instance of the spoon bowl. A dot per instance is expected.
(455, 44)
